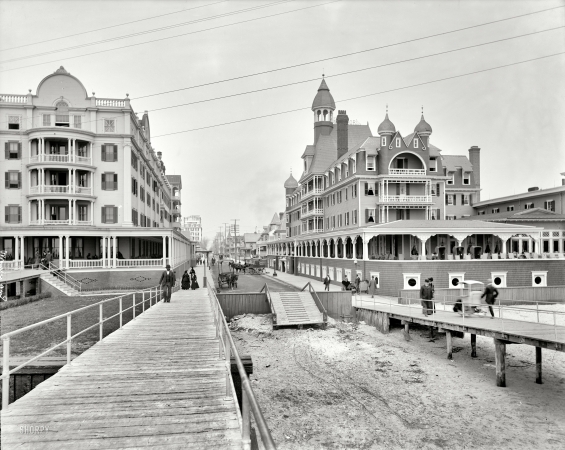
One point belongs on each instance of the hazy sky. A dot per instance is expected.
(515, 114)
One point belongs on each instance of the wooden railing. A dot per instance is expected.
(63, 276)
(249, 403)
(266, 289)
(318, 302)
(9, 98)
(151, 295)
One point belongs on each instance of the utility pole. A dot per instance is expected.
(235, 232)
(225, 235)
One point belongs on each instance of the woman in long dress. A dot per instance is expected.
(185, 283)
(194, 283)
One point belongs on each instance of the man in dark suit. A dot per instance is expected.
(167, 281)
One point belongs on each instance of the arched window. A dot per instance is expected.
(319, 114)
(62, 114)
(325, 114)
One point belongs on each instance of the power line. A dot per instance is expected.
(348, 54)
(361, 96)
(111, 26)
(154, 30)
(355, 71)
(172, 37)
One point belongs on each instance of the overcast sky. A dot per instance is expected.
(515, 114)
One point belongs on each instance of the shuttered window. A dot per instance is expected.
(13, 180)
(109, 181)
(13, 150)
(46, 120)
(109, 214)
(109, 152)
(13, 214)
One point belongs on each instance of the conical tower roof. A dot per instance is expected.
(386, 126)
(291, 183)
(423, 127)
(323, 98)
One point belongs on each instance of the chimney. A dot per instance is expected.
(342, 122)
(475, 159)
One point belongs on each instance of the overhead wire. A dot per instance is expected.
(173, 37)
(110, 26)
(154, 30)
(362, 96)
(348, 54)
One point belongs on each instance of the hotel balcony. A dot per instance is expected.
(407, 172)
(64, 159)
(56, 189)
(405, 199)
(311, 193)
(312, 212)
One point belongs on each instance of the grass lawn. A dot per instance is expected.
(33, 342)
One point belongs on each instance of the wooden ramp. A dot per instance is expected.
(157, 383)
(296, 308)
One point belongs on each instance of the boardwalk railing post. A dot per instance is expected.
(228, 366)
(537, 311)
(121, 311)
(5, 370)
(69, 342)
(133, 306)
(143, 301)
(101, 322)
(246, 432)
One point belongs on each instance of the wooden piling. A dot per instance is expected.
(406, 330)
(500, 357)
(538, 365)
(449, 344)
(473, 345)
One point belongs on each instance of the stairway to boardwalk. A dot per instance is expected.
(156, 383)
(61, 286)
(296, 308)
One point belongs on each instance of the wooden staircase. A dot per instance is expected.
(295, 308)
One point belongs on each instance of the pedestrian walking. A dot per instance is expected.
(490, 294)
(357, 283)
(167, 281)
(327, 283)
(185, 282)
(426, 297)
(433, 293)
(372, 286)
(194, 282)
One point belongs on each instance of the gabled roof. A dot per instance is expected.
(176, 179)
(251, 237)
(275, 220)
(452, 162)
(309, 151)
(527, 215)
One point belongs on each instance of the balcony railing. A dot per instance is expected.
(313, 212)
(61, 222)
(114, 102)
(8, 98)
(405, 199)
(407, 172)
(313, 230)
(316, 191)
(56, 222)
(61, 159)
(139, 262)
(56, 189)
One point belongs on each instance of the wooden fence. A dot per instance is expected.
(337, 304)
(244, 303)
(510, 295)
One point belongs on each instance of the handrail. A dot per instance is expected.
(268, 292)
(317, 300)
(249, 402)
(62, 275)
(154, 293)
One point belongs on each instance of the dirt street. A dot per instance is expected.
(351, 387)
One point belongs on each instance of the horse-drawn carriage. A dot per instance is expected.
(227, 278)
(256, 267)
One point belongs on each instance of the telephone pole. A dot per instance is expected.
(235, 232)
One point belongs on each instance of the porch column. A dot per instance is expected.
(22, 256)
(114, 249)
(365, 247)
(69, 148)
(60, 250)
(17, 250)
(29, 211)
(67, 250)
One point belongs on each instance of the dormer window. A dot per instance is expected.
(305, 166)
(452, 179)
(338, 174)
(466, 178)
(354, 166)
(371, 163)
(415, 143)
(397, 142)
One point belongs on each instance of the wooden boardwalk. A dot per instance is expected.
(157, 383)
(517, 331)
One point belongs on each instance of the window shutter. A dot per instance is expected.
(115, 150)
(366, 188)
(470, 200)
(115, 214)
(7, 150)
(7, 175)
(115, 181)
(19, 214)
(103, 152)
(19, 180)
(103, 214)
(446, 199)
(437, 214)
(103, 182)
(7, 214)
(19, 150)
(407, 188)
(407, 214)
(454, 199)
(437, 189)
(367, 215)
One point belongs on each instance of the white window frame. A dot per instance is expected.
(460, 276)
(545, 204)
(466, 199)
(371, 163)
(373, 214)
(450, 199)
(377, 276)
(433, 168)
(502, 276)
(383, 140)
(466, 178)
(495, 210)
(510, 208)
(542, 274)
(338, 274)
(331, 273)
(46, 120)
(407, 277)
(452, 180)
(397, 142)
(353, 166)
(109, 125)
(338, 169)
(348, 274)
(15, 119)
(528, 205)
(415, 143)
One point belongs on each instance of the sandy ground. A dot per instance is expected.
(351, 387)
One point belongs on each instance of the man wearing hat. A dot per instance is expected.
(167, 281)
(426, 295)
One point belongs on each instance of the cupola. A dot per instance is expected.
(291, 183)
(423, 128)
(323, 107)
(386, 127)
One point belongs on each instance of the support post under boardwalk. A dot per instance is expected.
(473, 345)
(538, 365)
(500, 357)
(449, 344)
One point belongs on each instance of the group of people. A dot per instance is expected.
(356, 286)
(169, 279)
